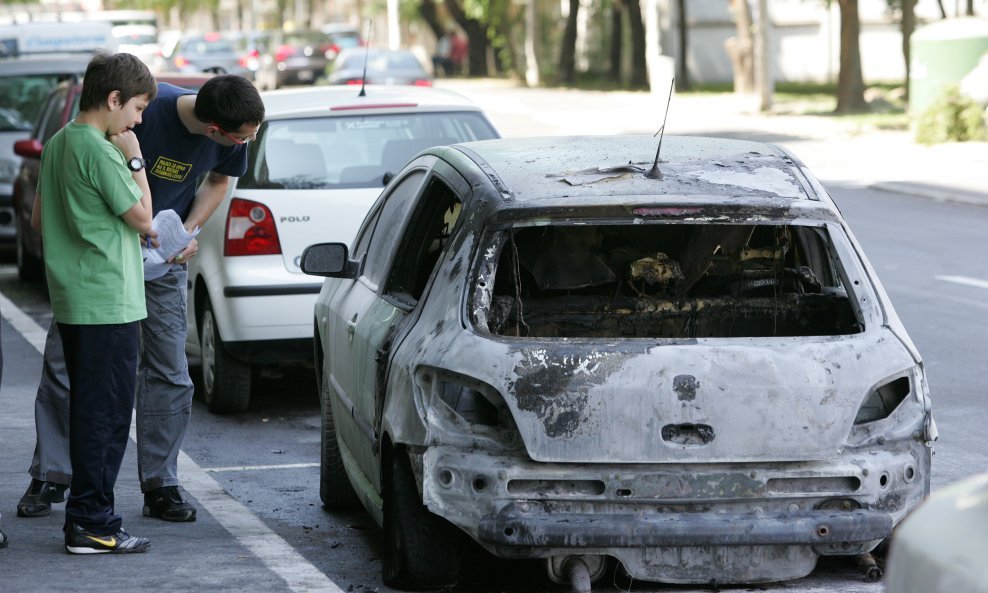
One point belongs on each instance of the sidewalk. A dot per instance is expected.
(835, 150)
(184, 557)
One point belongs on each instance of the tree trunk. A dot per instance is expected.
(617, 40)
(850, 82)
(970, 8)
(476, 35)
(567, 51)
(682, 61)
(908, 26)
(741, 48)
(532, 77)
(943, 13)
(427, 10)
(639, 69)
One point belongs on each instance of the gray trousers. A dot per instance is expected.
(164, 392)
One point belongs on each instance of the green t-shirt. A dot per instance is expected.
(93, 258)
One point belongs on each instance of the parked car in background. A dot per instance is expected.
(341, 36)
(320, 159)
(56, 109)
(206, 52)
(299, 57)
(25, 82)
(383, 66)
(553, 348)
(142, 41)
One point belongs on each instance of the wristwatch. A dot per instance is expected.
(136, 164)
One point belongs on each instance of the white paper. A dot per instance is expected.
(172, 239)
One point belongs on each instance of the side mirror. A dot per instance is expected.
(330, 260)
(30, 148)
(388, 176)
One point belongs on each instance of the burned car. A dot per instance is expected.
(564, 350)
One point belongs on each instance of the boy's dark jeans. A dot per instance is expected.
(102, 367)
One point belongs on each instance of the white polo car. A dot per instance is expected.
(319, 161)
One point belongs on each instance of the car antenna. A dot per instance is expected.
(654, 172)
(363, 77)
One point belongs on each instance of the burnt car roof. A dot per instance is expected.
(573, 166)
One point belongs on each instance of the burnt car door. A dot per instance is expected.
(410, 237)
(360, 315)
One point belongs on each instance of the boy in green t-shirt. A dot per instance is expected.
(96, 205)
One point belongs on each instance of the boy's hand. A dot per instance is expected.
(150, 240)
(127, 142)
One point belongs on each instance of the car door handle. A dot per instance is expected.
(351, 326)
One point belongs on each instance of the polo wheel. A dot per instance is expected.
(225, 380)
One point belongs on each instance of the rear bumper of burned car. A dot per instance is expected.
(685, 523)
(522, 526)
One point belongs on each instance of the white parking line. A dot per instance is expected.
(252, 468)
(964, 280)
(280, 557)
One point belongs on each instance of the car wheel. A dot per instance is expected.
(29, 268)
(335, 489)
(421, 550)
(225, 380)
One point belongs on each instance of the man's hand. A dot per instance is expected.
(190, 250)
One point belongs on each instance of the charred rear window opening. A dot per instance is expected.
(663, 281)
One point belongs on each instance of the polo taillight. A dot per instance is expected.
(250, 230)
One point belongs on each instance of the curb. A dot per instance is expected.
(940, 193)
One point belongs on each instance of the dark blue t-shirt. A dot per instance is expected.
(176, 157)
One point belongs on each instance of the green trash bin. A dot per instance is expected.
(943, 53)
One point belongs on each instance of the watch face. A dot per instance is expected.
(135, 164)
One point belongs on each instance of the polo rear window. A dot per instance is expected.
(351, 151)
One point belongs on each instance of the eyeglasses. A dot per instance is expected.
(233, 139)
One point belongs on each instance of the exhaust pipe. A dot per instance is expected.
(576, 571)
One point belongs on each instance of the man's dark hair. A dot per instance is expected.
(115, 72)
(229, 101)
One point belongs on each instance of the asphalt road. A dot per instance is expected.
(255, 475)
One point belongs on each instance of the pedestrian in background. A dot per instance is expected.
(440, 60)
(458, 50)
(184, 136)
(91, 209)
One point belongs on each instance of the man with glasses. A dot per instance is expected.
(184, 136)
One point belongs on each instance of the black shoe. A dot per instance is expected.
(167, 503)
(3, 539)
(80, 541)
(39, 497)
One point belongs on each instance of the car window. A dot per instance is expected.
(206, 46)
(53, 116)
(380, 61)
(21, 98)
(423, 240)
(665, 281)
(352, 151)
(394, 212)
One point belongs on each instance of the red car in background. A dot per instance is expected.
(61, 106)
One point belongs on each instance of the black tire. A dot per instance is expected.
(225, 380)
(335, 490)
(29, 268)
(421, 550)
